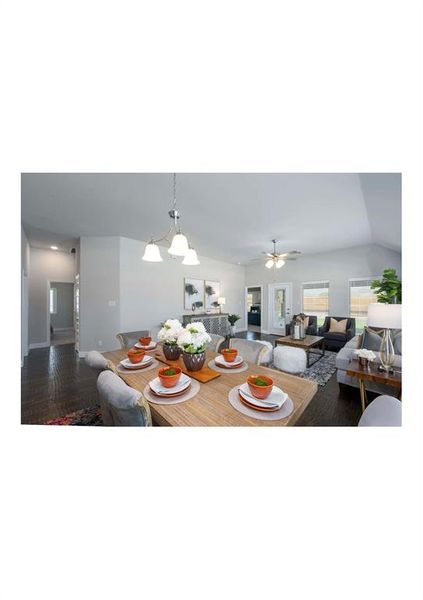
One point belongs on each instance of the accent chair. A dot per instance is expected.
(310, 330)
(337, 340)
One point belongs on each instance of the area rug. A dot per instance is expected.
(322, 370)
(85, 416)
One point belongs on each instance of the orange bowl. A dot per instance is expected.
(229, 354)
(145, 341)
(136, 355)
(260, 391)
(169, 381)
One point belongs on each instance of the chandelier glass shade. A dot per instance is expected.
(152, 253)
(191, 258)
(179, 245)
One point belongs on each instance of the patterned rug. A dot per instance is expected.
(85, 416)
(322, 370)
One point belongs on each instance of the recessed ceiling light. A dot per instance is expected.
(54, 247)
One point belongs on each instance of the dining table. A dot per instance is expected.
(210, 406)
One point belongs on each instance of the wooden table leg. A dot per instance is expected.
(363, 395)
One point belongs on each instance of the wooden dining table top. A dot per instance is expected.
(211, 407)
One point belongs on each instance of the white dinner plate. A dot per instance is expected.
(276, 397)
(150, 346)
(219, 360)
(182, 384)
(146, 360)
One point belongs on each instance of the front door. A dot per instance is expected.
(280, 298)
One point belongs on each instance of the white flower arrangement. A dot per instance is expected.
(363, 353)
(194, 338)
(170, 332)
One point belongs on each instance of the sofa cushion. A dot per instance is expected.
(338, 326)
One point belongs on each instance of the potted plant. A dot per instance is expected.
(388, 289)
(193, 341)
(232, 320)
(168, 335)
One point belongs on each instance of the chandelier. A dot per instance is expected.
(179, 245)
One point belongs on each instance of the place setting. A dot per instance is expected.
(171, 386)
(228, 361)
(259, 398)
(146, 343)
(137, 360)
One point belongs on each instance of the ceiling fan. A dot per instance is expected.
(277, 259)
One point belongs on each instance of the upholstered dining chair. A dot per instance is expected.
(216, 342)
(383, 411)
(121, 405)
(251, 351)
(96, 361)
(130, 338)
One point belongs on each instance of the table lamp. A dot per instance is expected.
(386, 317)
(221, 301)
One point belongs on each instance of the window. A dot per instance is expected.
(53, 301)
(315, 300)
(360, 296)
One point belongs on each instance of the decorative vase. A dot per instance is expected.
(232, 330)
(194, 362)
(171, 351)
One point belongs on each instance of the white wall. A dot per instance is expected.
(99, 310)
(45, 265)
(63, 318)
(145, 293)
(336, 267)
(24, 295)
(154, 292)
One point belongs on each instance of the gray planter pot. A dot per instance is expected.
(171, 352)
(194, 362)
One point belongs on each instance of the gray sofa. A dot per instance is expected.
(347, 353)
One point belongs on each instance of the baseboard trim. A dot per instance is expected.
(62, 329)
(39, 345)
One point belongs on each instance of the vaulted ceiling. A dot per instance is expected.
(229, 216)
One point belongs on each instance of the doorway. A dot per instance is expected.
(60, 313)
(253, 304)
(280, 301)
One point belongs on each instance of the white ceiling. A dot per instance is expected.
(229, 217)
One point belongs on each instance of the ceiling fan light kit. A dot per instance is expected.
(179, 245)
(277, 259)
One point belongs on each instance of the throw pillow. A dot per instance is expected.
(306, 322)
(338, 326)
(371, 339)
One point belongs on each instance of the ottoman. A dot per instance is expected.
(290, 360)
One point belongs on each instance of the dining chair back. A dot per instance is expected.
(216, 342)
(121, 405)
(251, 351)
(96, 361)
(383, 411)
(130, 338)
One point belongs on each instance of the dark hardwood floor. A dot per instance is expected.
(56, 382)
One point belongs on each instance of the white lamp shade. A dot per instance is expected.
(386, 316)
(221, 300)
(179, 245)
(280, 263)
(269, 264)
(152, 253)
(191, 258)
